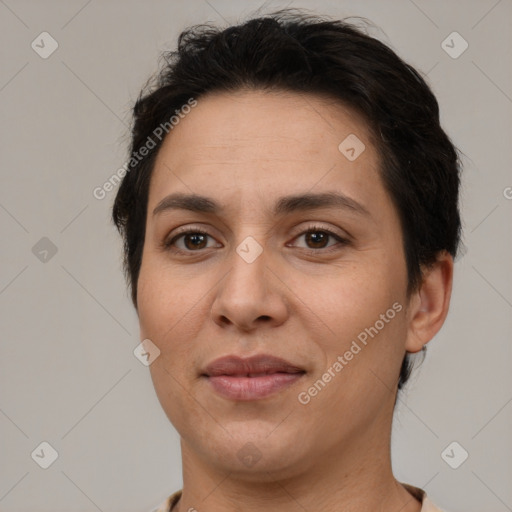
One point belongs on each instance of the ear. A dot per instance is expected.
(428, 306)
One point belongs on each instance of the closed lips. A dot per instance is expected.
(251, 379)
(255, 366)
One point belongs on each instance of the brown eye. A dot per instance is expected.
(191, 240)
(194, 240)
(317, 239)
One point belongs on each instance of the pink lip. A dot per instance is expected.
(252, 378)
(252, 388)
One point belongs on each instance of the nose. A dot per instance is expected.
(251, 293)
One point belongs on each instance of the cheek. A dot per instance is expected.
(150, 305)
(365, 309)
(356, 299)
(163, 317)
(172, 313)
(162, 299)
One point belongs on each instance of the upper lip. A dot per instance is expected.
(258, 364)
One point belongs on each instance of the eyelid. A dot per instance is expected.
(298, 229)
(317, 226)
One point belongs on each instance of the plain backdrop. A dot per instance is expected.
(68, 374)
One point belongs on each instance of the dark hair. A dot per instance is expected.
(291, 51)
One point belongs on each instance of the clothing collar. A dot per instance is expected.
(427, 505)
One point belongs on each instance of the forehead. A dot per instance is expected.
(258, 143)
(260, 119)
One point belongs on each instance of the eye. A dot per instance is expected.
(193, 241)
(317, 238)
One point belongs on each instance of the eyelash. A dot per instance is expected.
(168, 244)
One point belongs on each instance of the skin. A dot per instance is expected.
(245, 150)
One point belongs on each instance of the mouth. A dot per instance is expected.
(253, 378)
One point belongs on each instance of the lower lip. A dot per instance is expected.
(252, 388)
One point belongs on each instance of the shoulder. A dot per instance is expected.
(426, 504)
(169, 503)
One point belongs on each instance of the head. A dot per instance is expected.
(308, 164)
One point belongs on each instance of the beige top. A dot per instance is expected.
(427, 505)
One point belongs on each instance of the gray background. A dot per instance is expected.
(68, 373)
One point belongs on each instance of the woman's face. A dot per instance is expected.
(262, 280)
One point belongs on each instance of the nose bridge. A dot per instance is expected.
(247, 268)
(248, 292)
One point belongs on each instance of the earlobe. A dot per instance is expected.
(429, 305)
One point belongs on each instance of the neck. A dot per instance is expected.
(355, 478)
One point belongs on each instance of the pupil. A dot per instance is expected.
(195, 237)
(317, 237)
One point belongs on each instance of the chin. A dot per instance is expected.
(257, 450)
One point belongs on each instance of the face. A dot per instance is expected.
(321, 285)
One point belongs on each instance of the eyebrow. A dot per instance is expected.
(284, 205)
